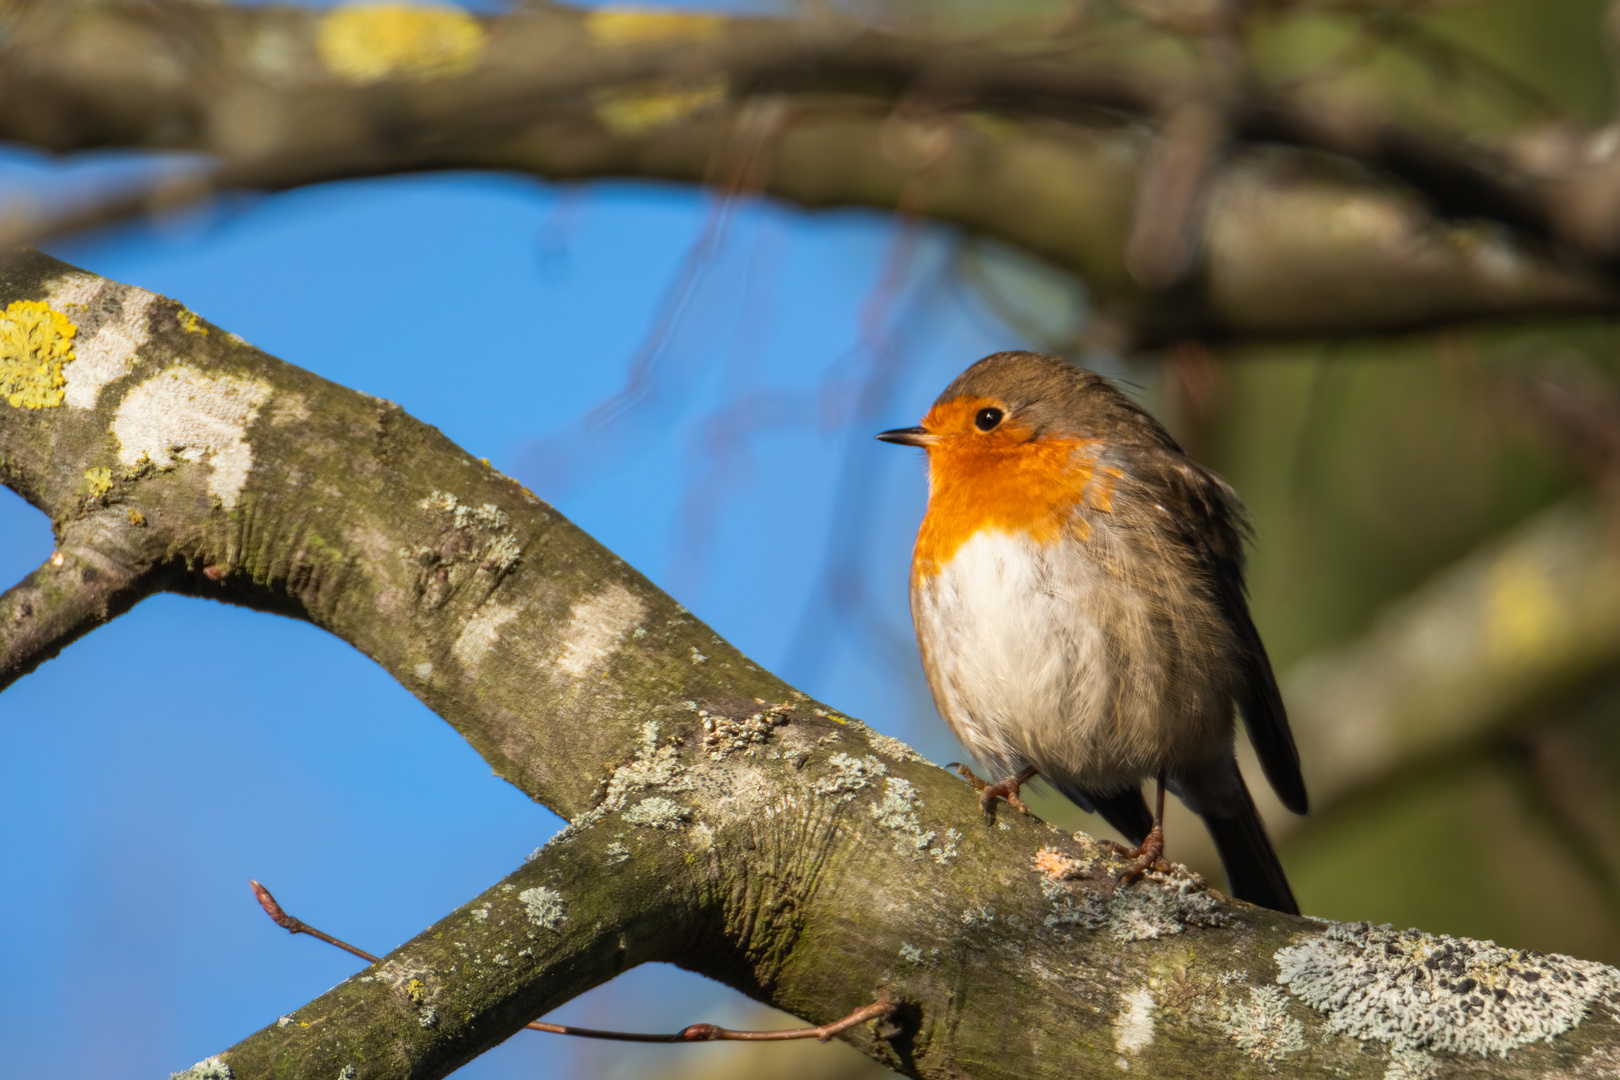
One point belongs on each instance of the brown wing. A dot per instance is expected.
(1209, 520)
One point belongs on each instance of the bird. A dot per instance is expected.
(1078, 595)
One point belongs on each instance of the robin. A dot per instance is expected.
(1077, 589)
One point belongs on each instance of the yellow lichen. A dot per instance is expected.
(192, 324)
(636, 26)
(134, 515)
(1524, 620)
(98, 481)
(35, 343)
(640, 108)
(371, 42)
(416, 990)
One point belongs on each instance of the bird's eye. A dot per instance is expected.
(985, 419)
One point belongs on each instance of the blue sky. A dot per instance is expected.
(163, 760)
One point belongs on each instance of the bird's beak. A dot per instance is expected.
(906, 436)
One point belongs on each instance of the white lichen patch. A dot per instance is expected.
(657, 812)
(186, 415)
(847, 775)
(1260, 1025)
(113, 322)
(480, 634)
(209, 1068)
(544, 907)
(596, 625)
(1417, 991)
(1133, 1026)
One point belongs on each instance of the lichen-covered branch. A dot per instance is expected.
(77, 589)
(768, 855)
(720, 820)
(1030, 150)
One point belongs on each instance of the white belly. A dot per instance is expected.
(1016, 665)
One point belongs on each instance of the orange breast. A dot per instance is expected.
(1004, 481)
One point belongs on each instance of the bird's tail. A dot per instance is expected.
(1253, 872)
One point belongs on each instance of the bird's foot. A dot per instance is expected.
(1150, 856)
(1006, 788)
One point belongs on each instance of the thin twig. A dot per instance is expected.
(878, 1009)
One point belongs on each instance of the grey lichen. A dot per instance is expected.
(1091, 912)
(1417, 991)
(545, 907)
(978, 915)
(894, 748)
(657, 812)
(462, 516)
(209, 1068)
(472, 539)
(1411, 1065)
(1160, 906)
(1260, 1024)
(655, 766)
(897, 810)
(847, 775)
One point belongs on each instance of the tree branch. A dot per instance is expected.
(1526, 616)
(719, 819)
(563, 93)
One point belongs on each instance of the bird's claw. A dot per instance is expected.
(1150, 856)
(1006, 788)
